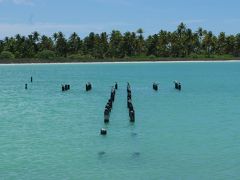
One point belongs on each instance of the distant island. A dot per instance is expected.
(179, 45)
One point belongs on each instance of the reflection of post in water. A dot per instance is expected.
(101, 153)
(136, 154)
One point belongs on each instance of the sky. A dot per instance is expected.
(85, 16)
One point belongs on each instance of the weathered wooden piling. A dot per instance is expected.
(88, 86)
(65, 87)
(109, 105)
(128, 88)
(132, 115)
(155, 86)
(178, 85)
(103, 131)
(113, 95)
(130, 104)
(106, 116)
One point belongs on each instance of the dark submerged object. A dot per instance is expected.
(155, 86)
(31, 79)
(178, 85)
(103, 131)
(134, 134)
(116, 86)
(136, 154)
(101, 153)
(26, 86)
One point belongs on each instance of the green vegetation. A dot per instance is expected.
(46, 54)
(79, 56)
(6, 55)
(183, 43)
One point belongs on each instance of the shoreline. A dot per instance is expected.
(120, 61)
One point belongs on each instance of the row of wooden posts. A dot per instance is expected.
(108, 108)
(131, 110)
(178, 86)
(109, 105)
(155, 87)
(66, 87)
(130, 104)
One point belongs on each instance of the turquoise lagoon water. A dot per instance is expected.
(192, 134)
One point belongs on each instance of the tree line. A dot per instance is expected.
(181, 43)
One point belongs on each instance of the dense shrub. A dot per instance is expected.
(79, 56)
(46, 54)
(152, 57)
(6, 55)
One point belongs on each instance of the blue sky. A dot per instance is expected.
(84, 16)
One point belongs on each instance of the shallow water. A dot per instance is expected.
(192, 134)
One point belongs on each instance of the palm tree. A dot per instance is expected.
(104, 44)
(140, 44)
(55, 37)
(115, 44)
(74, 43)
(181, 29)
(35, 36)
(60, 44)
(237, 45)
(189, 42)
(209, 42)
(230, 45)
(140, 31)
(46, 43)
(221, 44)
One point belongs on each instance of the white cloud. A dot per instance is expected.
(19, 2)
(27, 2)
(115, 2)
(233, 20)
